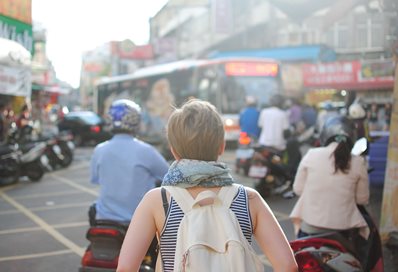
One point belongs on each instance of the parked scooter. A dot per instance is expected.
(59, 149)
(65, 142)
(22, 159)
(342, 251)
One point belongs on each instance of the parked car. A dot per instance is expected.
(86, 127)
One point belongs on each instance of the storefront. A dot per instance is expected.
(15, 74)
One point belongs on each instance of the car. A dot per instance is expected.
(86, 127)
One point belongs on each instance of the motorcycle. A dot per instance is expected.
(271, 173)
(65, 142)
(336, 251)
(244, 153)
(106, 239)
(59, 149)
(21, 157)
(342, 250)
(26, 160)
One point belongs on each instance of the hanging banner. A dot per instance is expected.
(15, 81)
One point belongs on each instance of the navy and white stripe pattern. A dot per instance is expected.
(168, 238)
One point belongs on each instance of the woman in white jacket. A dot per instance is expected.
(331, 182)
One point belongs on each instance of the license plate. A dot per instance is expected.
(256, 171)
(244, 153)
(70, 144)
(57, 149)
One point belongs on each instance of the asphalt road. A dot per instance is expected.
(43, 224)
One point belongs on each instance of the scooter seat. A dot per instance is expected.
(5, 149)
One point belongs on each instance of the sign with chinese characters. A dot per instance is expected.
(349, 75)
(16, 22)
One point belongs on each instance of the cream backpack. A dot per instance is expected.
(209, 237)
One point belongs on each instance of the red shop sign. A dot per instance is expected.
(331, 74)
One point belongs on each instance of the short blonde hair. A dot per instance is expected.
(196, 131)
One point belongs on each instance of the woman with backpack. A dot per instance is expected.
(198, 187)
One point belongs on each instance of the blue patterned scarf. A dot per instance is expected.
(190, 173)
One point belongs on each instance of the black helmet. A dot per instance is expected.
(335, 127)
(276, 101)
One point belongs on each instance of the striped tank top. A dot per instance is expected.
(168, 237)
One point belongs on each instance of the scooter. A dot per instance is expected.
(335, 251)
(342, 251)
(244, 153)
(268, 169)
(106, 239)
(65, 142)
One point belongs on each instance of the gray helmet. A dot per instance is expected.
(337, 127)
(125, 115)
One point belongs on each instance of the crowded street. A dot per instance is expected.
(199, 135)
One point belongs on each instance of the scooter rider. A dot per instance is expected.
(124, 167)
(331, 183)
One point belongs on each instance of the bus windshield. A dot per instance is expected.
(238, 88)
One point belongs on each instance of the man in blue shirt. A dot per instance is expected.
(248, 118)
(125, 167)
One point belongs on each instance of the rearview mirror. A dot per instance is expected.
(360, 146)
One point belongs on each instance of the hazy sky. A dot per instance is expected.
(75, 26)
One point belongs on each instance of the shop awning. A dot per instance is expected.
(311, 53)
(15, 71)
(51, 89)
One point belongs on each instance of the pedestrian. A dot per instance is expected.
(331, 183)
(248, 118)
(295, 112)
(3, 124)
(196, 136)
(273, 122)
(373, 117)
(124, 167)
(24, 116)
(387, 115)
(309, 116)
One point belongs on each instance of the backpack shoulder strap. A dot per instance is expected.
(182, 197)
(187, 202)
(228, 193)
(164, 200)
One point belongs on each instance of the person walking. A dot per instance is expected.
(196, 136)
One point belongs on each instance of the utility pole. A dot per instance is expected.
(389, 212)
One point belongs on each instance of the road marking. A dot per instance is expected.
(63, 206)
(48, 194)
(37, 255)
(74, 184)
(58, 226)
(48, 228)
(81, 165)
(12, 231)
(281, 216)
(9, 212)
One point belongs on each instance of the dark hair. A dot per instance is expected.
(342, 154)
